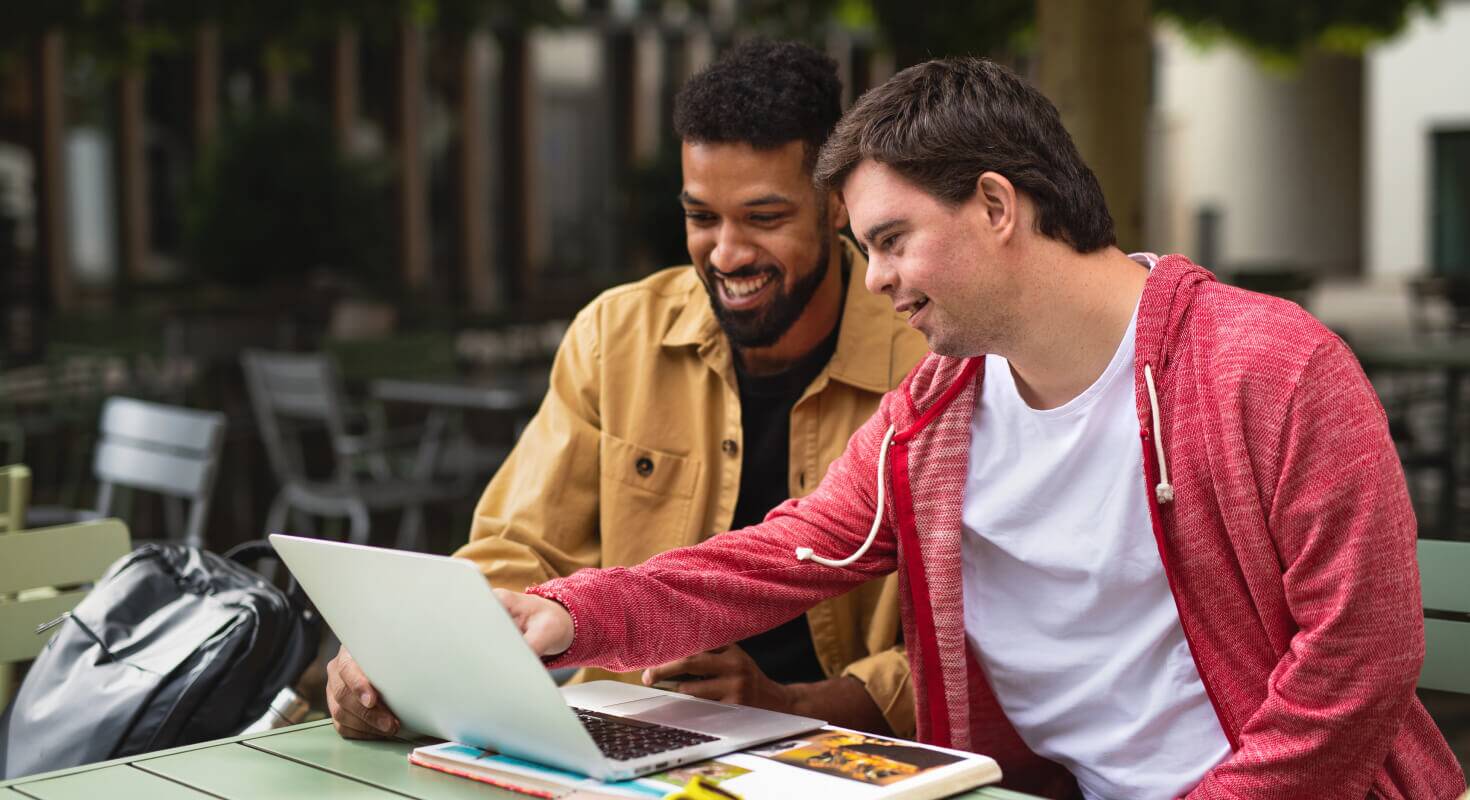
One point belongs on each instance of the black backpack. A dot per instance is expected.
(174, 645)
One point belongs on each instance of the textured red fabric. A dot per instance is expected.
(1289, 548)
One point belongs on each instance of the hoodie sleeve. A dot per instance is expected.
(1345, 535)
(738, 583)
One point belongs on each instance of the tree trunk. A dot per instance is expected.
(345, 85)
(206, 86)
(473, 173)
(515, 157)
(413, 201)
(1094, 65)
(54, 253)
(134, 222)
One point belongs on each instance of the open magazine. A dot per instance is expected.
(831, 763)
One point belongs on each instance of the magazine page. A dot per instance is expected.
(839, 763)
(831, 763)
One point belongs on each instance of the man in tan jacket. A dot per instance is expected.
(696, 400)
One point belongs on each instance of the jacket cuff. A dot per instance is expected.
(554, 594)
(886, 677)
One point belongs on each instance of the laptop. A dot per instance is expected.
(449, 662)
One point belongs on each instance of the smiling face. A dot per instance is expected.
(762, 239)
(938, 263)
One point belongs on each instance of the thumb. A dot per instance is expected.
(545, 624)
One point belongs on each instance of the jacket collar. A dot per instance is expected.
(864, 343)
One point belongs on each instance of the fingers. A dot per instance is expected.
(706, 664)
(722, 689)
(357, 710)
(667, 671)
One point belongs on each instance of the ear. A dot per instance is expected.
(836, 211)
(1000, 204)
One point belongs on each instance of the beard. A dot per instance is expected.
(763, 327)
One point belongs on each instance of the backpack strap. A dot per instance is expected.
(249, 553)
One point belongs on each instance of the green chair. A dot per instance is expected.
(1444, 574)
(15, 495)
(61, 562)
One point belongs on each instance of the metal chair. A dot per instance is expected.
(44, 573)
(1443, 570)
(292, 392)
(153, 447)
(15, 494)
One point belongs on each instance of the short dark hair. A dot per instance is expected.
(942, 123)
(764, 94)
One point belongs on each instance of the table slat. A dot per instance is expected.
(994, 793)
(114, 783)
(238, 772)
(159, 753)
(383, 764)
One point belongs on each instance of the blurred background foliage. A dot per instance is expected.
(278, 177)
(128, 31)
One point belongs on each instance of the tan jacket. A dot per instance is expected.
(636, 450)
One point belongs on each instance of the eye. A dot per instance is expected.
(888, 242)
(767, 217)
(699, 217)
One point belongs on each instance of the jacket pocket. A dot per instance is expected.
(646, 500)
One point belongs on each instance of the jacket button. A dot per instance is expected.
(729, 447)
(644, 466)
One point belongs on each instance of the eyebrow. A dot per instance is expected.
(763, 200)
(768, 199)
(880, 229)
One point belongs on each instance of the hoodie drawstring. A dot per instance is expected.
(1165, 490)
(806, 554)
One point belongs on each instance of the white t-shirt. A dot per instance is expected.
(1066, 603)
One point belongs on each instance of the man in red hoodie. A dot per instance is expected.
(1153, 536)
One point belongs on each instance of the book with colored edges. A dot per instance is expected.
(831, 763)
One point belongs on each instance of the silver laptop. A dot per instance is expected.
(449, 662)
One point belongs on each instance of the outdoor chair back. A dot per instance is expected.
(152, 447)
(1444, 574)
(45, 572)
(287, 390)
(166, 449)
(292, 390)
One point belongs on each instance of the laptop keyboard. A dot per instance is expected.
(623, 739)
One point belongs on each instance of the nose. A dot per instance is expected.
(879, 277)
(732, 250)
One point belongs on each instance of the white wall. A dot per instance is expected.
(1276, 151)
(1414, 84)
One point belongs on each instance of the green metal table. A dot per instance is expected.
(308, 761)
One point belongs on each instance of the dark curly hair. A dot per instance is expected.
(764, 94)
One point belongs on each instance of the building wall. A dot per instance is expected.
(1275, 152)
(1414, 84)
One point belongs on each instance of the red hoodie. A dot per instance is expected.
(1281, 516)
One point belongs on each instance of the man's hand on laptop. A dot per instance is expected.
(729, 675)
(726, 675)
(357, 710)
(546, 624)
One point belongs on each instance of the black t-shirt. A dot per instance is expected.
(785, 653)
